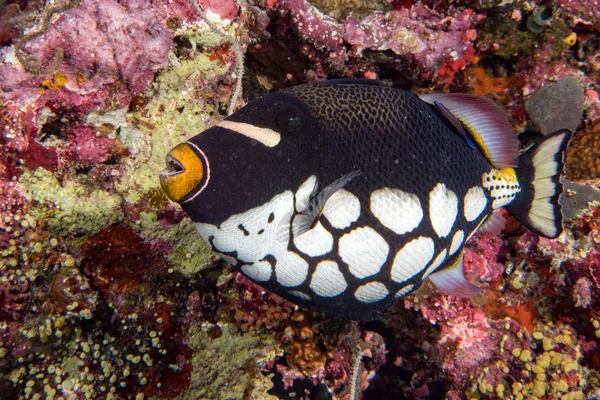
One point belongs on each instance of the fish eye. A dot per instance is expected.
(293, 123)
(290, 120)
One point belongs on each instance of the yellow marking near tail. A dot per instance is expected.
(502, 186)
(509, 175)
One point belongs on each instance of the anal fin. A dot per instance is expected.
(452, 280)
(493, 226)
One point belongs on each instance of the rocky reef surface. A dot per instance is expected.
(106, 290)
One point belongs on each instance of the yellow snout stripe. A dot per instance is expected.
(183, 173)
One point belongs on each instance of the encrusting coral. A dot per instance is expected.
(108, 292)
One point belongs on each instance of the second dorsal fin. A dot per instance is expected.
(487, 123)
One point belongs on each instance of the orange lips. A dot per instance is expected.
(183, 173)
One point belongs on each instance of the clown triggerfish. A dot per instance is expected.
(343, 196)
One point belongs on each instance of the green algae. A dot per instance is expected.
(226, 367)
(203, 35)
(182, 101)
(70, 207)
(505, 33)
(180, 107)
(177, 111)
(189, 252)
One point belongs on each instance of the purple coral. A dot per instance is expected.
(439, 45)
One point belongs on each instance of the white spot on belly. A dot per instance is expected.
(327, 280)
(291, 269)
(406, 289)
(304, 192)
(342, 209)
(457, 240)
(475, 202)
(258, 237)
(266, 136)
(314, 242)
(259, 271)
(443, 209)
(398, 211)
(364, 250)
(435, 264)
(412, 259)
(371, 292)
(259, 232)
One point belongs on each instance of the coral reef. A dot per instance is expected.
(583, 157)
(108, 292)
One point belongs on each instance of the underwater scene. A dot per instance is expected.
(294, 199)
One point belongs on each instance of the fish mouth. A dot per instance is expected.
(174, 167)
(183, 173)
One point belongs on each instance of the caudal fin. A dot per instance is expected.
(539, 170)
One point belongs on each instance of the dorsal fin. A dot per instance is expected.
(460, 129)
(486, 122)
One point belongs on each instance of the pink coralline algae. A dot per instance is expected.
(106, 43)
(582, 12)
(440, 45)
(111, 52)
(227, 9)
(86, 146)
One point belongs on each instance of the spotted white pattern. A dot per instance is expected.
(399, 211)
(443, 209)
(328, 280)
(249, 244)
(412, 258)
(405, 290)
(300, 294)
(259, 271)
(502, 186)
(315, 241)
(474, 203)
(364, 250)
(291, 269)
(441, 257)
(371, 292)
(259, 232)
(342, 209)
(457, 241)
(304, 192)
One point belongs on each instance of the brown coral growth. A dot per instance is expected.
(583, 156)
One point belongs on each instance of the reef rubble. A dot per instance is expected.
(107, 291)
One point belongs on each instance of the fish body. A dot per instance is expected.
(344, 196)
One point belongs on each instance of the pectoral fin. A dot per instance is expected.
(307, 218)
